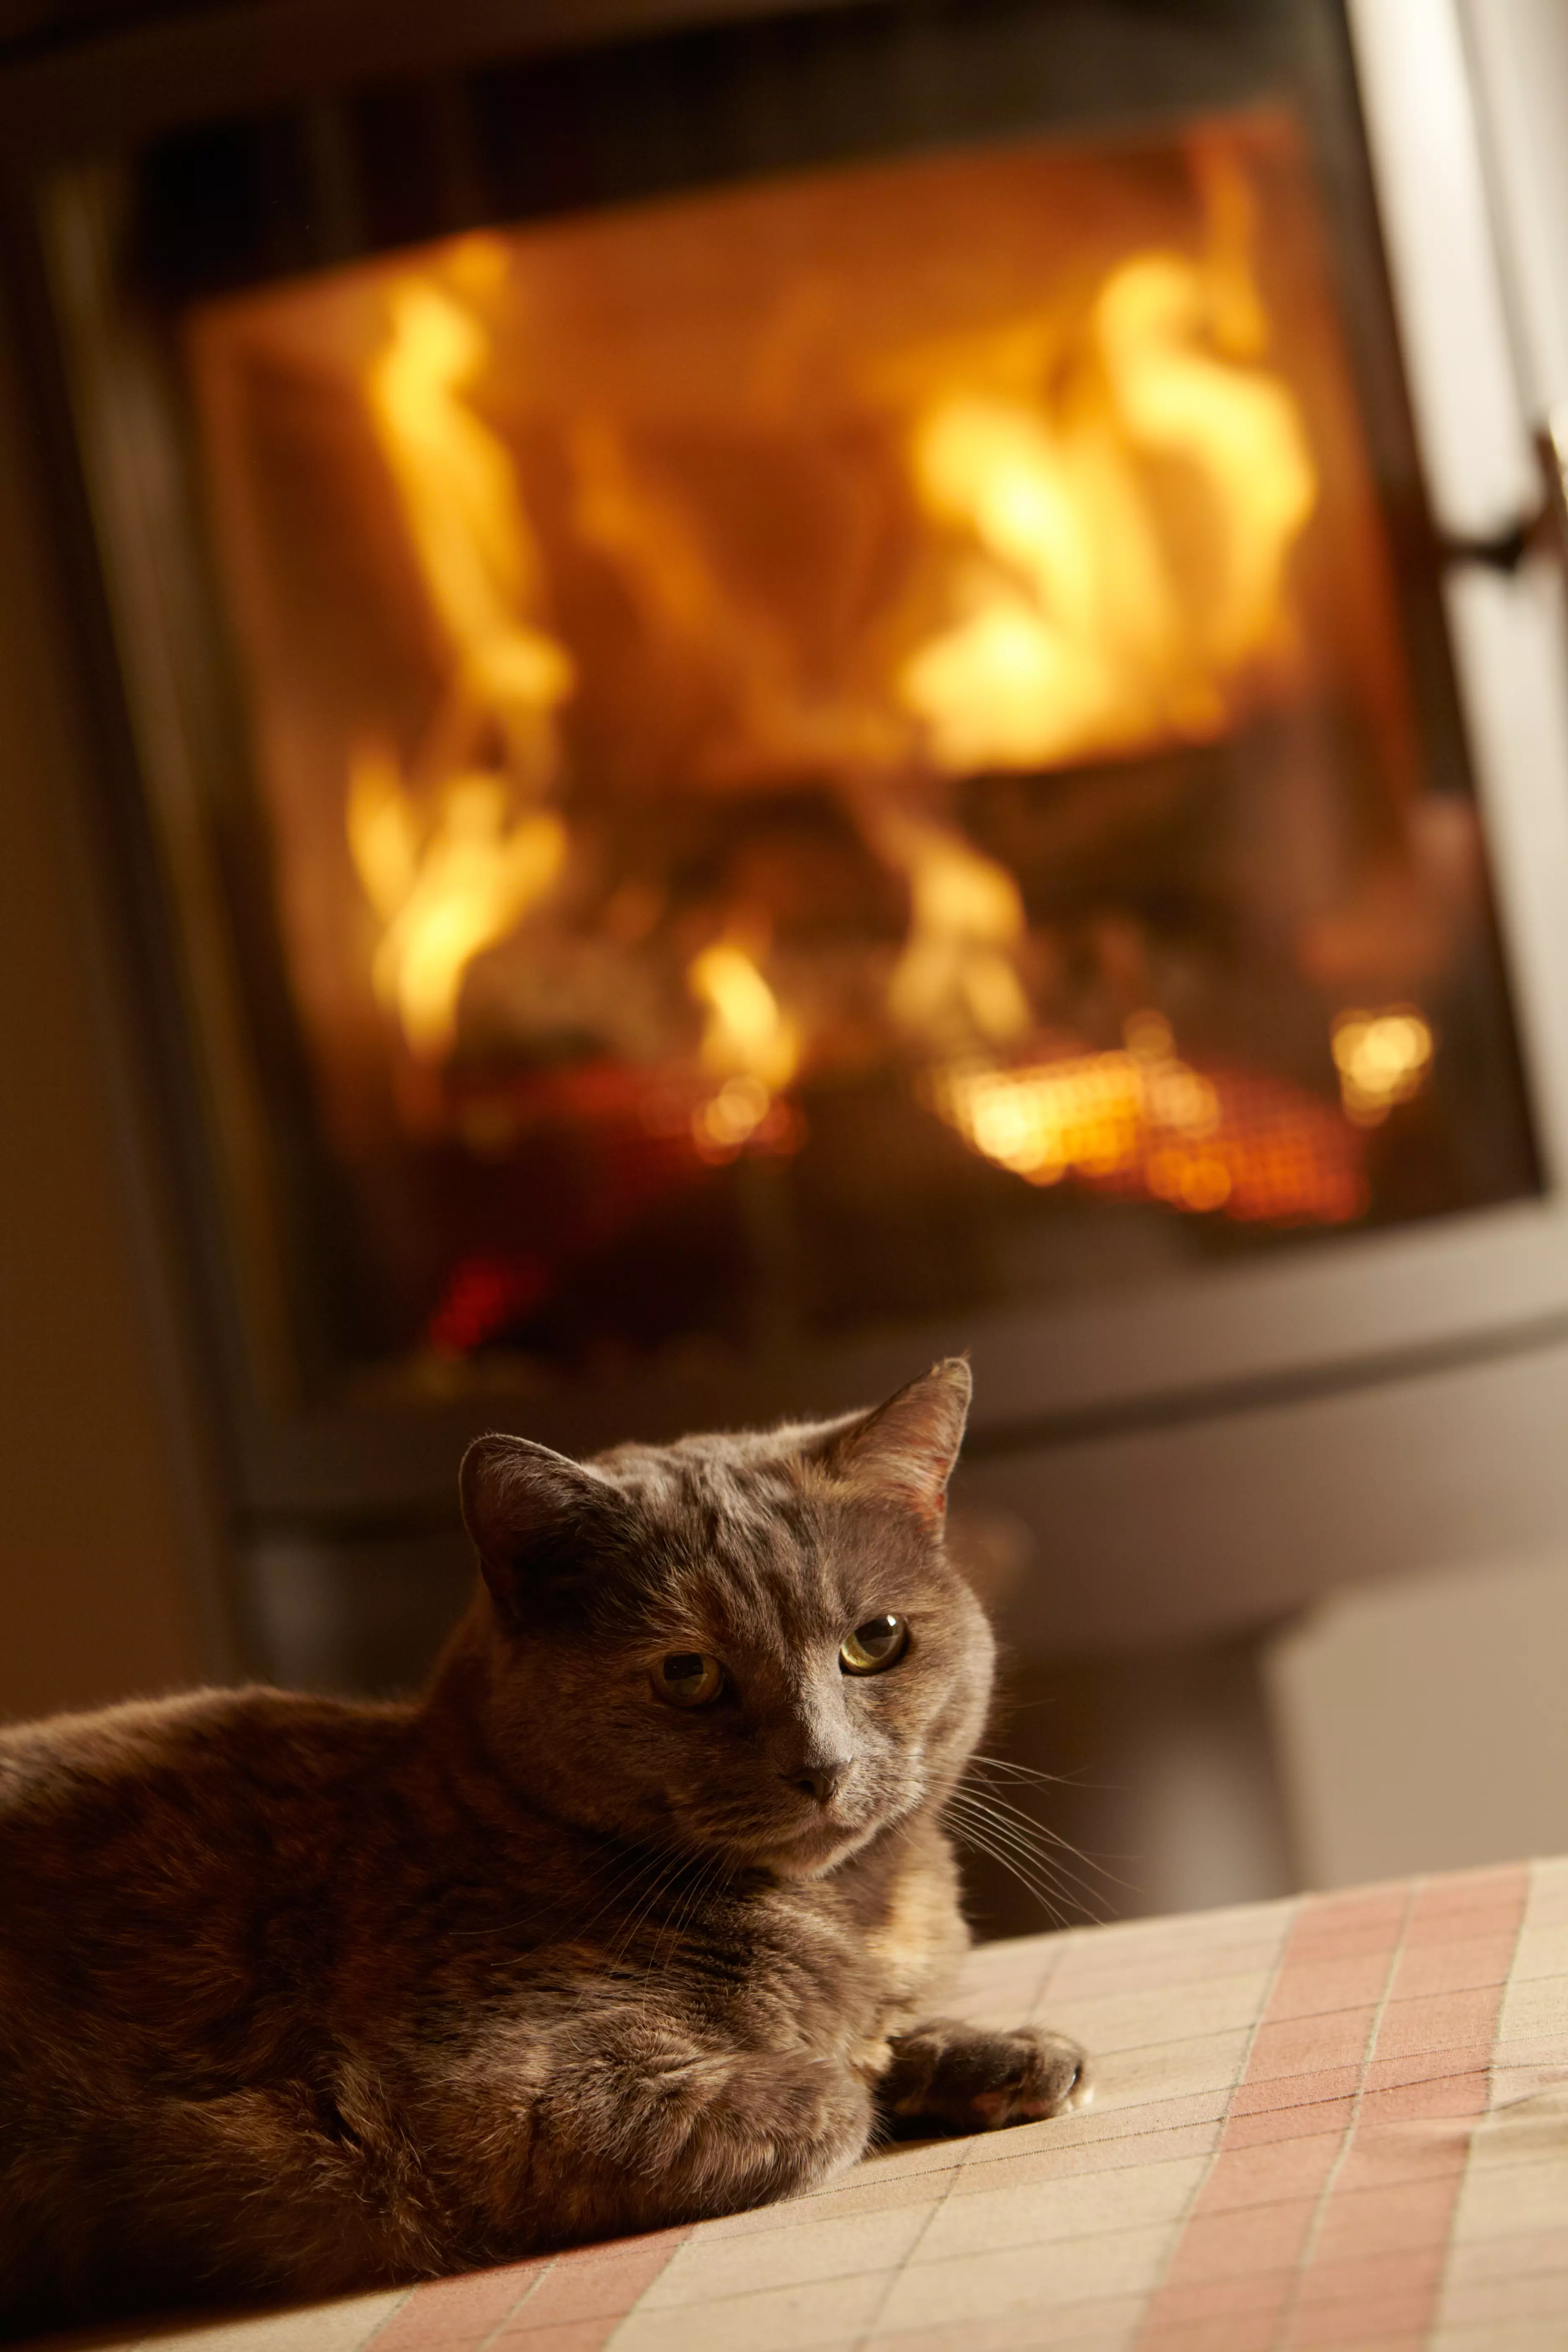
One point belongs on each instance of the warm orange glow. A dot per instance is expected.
(958, 974)
(444, 888)
(747, 1041)
(1142, 1121)
(455, 868)
(1382, 1058)
(1080, 627)
(459, 496)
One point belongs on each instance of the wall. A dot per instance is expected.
(99, 1532)
(1424, 1726)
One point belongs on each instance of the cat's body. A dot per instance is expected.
(298, 1995)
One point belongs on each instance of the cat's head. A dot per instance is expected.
(751, 1645)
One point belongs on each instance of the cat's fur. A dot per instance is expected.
(298, 1995)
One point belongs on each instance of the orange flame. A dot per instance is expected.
(444, 889)
(957, 977)
(1080, 626)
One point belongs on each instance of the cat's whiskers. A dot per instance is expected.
(1052, 1859)
(1042, 1830)
(968, 1835)
(1018, 1845)
(1042, 1861)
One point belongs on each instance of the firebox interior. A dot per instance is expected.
(842, 748)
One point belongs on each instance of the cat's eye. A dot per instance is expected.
(689, 1678)
(880, 1643)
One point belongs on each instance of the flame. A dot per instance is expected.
(1080, 628)
(1142, 1121)
(958, 973)
(746, 1035)
(459, 496)
(1382, 1058)
(444, 889)
(452, 882)
(747, 1040)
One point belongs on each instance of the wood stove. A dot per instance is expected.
(785, 689)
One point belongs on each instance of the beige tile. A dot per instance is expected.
(1172, 2070)
(1543, 1950)
(1504, 2200)
(1147, 2020)
(341, 2325)
(1024, 2279)
(1535, 2008)
(1045, 2161)
(708, 2267)
(822, 2312)
(1040, 2213)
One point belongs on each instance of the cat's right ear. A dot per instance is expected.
(537, 1519)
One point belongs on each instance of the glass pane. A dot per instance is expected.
(842, 751)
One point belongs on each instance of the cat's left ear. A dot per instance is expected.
(905, 1449)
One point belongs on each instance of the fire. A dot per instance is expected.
(958, 974)
(453, 870)
(1382, 1058)
(1075, 608)
(458, 490)
(444, 888)
(747, 1043)
(1142, 1120)
(1081, 627)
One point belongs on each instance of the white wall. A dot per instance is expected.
(1424, 1725)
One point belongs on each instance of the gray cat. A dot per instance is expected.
(633, 1917)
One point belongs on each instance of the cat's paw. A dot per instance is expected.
(974, 2080)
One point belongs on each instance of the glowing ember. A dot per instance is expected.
(1142, 1121)
(1382, 1058)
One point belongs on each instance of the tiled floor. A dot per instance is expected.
(1340, 2122)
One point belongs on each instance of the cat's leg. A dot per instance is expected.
(971, 2080)
(650, 2124)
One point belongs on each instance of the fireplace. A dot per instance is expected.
(793, 690)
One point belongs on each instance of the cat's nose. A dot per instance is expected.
(822, 1782)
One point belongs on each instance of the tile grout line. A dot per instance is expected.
(685, 2235)
(512, 2308)
(1293, 1921)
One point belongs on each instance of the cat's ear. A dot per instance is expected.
(906, 1448)
(537, 1519)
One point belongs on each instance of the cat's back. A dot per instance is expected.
(149, 1852)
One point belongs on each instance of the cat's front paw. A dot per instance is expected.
(972, 2081)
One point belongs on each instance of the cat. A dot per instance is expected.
(632, 1917)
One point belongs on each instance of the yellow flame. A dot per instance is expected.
(1382, 1058)
(747, 1034)
(747, 1043)
(1079, 627)
(459, 496)
(453, 869)
(446, 889)
(957, 975)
